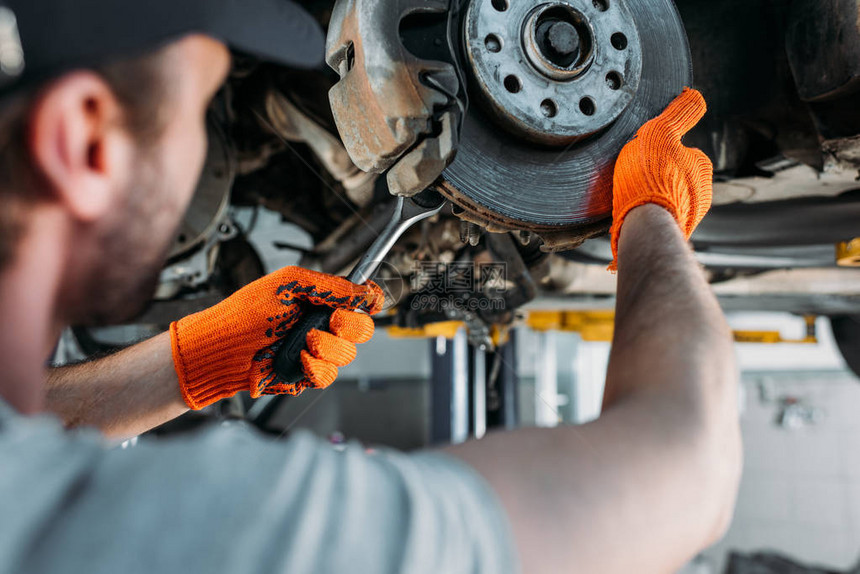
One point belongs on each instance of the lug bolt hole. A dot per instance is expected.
(493, 43)
(587, 107)
(512, 84)
(602, 5)
(619, 41)
(500, 5)
(613, 80)
(548, 108)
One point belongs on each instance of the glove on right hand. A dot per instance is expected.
(231, 347)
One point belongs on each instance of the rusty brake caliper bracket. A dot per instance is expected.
(395, 112)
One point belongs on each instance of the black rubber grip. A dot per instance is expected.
(288, 361)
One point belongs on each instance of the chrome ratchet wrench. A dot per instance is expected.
(407, 212)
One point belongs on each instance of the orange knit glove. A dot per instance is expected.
(656, 168)
(230, 347)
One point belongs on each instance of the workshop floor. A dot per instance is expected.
(800, 492)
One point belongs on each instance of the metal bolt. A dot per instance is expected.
(470, 233)
(562, 38)
(558, 41)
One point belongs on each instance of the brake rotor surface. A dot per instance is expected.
(537, 152)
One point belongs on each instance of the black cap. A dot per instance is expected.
(40, 39)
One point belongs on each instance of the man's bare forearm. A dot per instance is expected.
(124, 394)
(651, 482)
(673, 346)
(668, 324)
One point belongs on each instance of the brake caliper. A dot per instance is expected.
(394, 110)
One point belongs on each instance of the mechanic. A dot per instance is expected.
(102, 115)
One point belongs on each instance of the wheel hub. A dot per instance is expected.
(554, 72)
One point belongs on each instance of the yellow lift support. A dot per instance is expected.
(591, 326)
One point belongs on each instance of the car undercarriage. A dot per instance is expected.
(515, 112)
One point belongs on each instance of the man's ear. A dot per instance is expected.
(78, 145)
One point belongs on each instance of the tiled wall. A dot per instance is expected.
(800, 492)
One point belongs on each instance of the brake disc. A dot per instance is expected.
(557, 88)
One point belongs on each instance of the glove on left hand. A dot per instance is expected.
(230, 347)
(657, 168)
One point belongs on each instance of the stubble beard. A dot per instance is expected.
(134, 249)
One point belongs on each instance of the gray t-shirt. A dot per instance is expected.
(228, 500)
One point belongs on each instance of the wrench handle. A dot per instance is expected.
(407, 212)
(288, 361)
